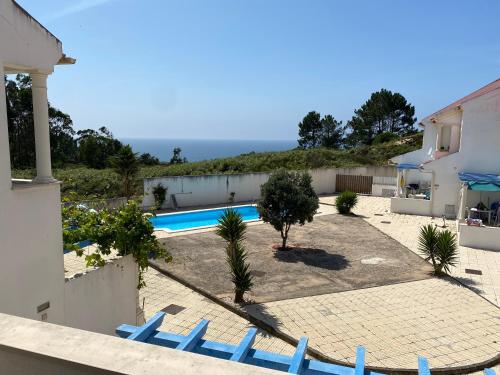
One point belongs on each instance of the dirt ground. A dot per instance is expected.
(334, 253)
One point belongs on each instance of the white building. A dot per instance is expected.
(32, 272)
(457, 167)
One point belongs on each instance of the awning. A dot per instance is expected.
(480, 181)
(407, 166)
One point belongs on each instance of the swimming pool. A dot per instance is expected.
(200, 218)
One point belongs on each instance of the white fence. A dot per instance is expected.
(205, 190)
(104, 298)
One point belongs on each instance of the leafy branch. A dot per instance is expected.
(126, 230)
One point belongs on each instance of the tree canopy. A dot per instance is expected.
(126, 165)
(385, 111)
(309, 130)
(22, 132)
(96, 147)
(315, 131)
(332, 132)
(287, 198)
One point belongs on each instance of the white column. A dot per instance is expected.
(398, 183)
(438, 137)
(463, 202)
(5, 173)
(41, 123)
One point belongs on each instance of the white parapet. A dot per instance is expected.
(485, 238)
(30, 347)
(411, 206)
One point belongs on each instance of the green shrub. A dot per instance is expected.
(384, 138)
(159, 192)
(287, 199)
(126, 230)
(439, 247)
(346, 201)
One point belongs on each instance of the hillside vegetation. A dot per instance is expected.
(87, 183)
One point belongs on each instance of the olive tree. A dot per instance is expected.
(287, 198)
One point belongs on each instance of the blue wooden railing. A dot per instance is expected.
(296, 364)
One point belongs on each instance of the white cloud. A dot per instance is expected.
(82, 6)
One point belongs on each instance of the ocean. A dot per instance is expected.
(204, 149)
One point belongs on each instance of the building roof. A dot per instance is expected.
(482, 91)
(26, 13)
(64, 60)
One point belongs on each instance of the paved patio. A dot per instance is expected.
(331, 254)
(224, 326)
(438, 318)
(405, 229)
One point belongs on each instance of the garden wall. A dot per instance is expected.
(190, 191)
(104, 298)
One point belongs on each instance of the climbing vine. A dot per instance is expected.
(126, 230)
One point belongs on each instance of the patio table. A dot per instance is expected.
(479, 212)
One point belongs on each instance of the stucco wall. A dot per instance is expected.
(104, 298)
(479, 237)
(35, 348)
(24, 42)
(411, 206)
(216, 189)
(32, 269)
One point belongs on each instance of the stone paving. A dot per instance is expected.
(405, 229)
(224, 326)
(74, 265)
(439, 319)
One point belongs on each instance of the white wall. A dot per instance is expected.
(411, 206)
(34, 348)
(104, 298)
(216, 189)
(487, 238)
(24, 43)
(32, 269)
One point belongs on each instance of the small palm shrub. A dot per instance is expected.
(427, 241)
(346, 201)
(439, 247)
(232, 229)
(447, 251)
(159, 193)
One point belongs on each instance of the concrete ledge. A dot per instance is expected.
(410, 206)
(486, 238)
(30, 347)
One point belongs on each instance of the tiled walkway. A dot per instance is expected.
(439, 319)
(224, 325)
(405, 229)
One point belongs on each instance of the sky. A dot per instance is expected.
(251, 69)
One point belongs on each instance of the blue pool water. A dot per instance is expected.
(201, 218)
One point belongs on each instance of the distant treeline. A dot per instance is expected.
(384, 117)
(80, 183)
(92, 148)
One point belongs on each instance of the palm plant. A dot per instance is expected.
(438, 247)
(446, 247)
(427, 243)
(126, 165)
(231, 226)
(236, 257)
(232, 229)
